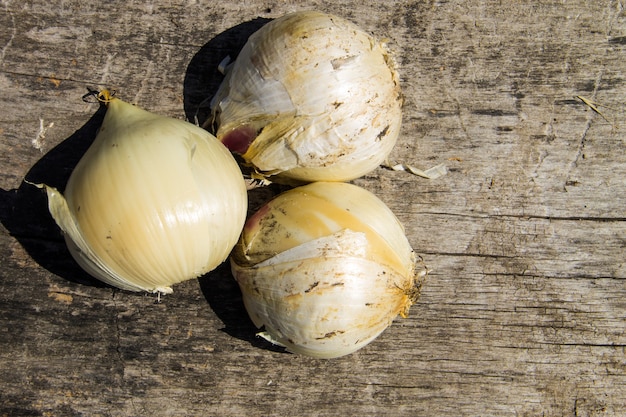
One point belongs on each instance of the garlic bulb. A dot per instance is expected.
(153, 202)
(310, 97)
(325, 268)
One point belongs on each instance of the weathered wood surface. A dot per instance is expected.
(524, 311)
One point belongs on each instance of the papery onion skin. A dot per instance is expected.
(153, 202)
(325, 268)
(311, 97)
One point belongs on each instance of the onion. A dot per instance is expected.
(325, 268)
(311, 97)
(153, 202)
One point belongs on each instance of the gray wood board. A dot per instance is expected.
(524, 311)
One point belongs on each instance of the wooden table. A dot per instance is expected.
(524, 311)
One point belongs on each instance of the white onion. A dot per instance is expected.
(310, 97)
(325, 268)
(153, 202)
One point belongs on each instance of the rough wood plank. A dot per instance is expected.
(524, 311)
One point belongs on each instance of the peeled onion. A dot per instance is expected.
(153, 202)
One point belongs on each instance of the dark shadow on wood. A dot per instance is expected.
(222, 291)
(24, 211)
(224, 297)
(202, 78)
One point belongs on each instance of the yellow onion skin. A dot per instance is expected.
(325, 268)
(311, 97)
(153, 202)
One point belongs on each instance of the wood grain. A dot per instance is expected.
(524, 311)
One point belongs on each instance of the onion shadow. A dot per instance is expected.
(202, 78)
(224, 298)
(24, 211)
(222, 292)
